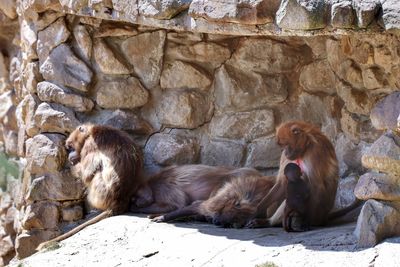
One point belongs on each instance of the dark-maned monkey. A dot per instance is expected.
(178, 186)
(305, 144)
(233, 205)
(297, 197)
(109, 164)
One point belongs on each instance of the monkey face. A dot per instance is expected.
(293, 138)
(75, 142)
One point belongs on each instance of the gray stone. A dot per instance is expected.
(345, 193)
(222, 153)
(356, 101)
(145, 52)
(121, 93)
(236, 89)
(57, 187)
(49, 92)
(342, 15)
(373, 185)
(302, 14)
(377, 221)
(166, 149)
(162, 9)
(51, 37)
(247, 125)
(41, 215)
(83, 41)
(244, 12)
(125, 9)
(45, 153)
(366, 11)
(190, 77)
(183, 109)
(71, 214)
(318, 77)
(383, 156)
(31, 76)
(55, 118)
(207, 54)
(266, 55)
(27, 241)
(358, 127)
(39, 6)
(106, 59)
(64, 68)
(263, 153)
(122, 119)
(391, 14)
(385, 113)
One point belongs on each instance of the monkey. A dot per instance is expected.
(305, 144)
(232, 205)
(109, 164)
(175, 187)
(297, 197)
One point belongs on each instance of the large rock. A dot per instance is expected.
(358, 127)
(384, 114)
(374, 78)
(318, 77)
(366, 11)
(8, 7)
(28, 39)
(71, 214)
(356, 101)
(27, 241)
(162, 9)
(342, 15)
(243, 12)
(126, 9)
(25, 112)
(58, 187)
(45, 153)
(269, 56)
(236, 89)
(384, 155)
(106, 60)
(373, 185)
(41, 215)
(51, 37)
(222, 153)
(247, 125)
(49, 92)
(391, 14)
(302, 14)
(145, 52)
(30, 76)
(64, 68)
(183, 109)
(190, 77)
(54, 118)
(345, 192)
(166, 149)
(6, 245)
(122, 119)
(377, 221)
(83, 41)
(263, 153)
(121, 93)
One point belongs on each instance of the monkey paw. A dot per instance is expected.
(257, 223)
(158, 219)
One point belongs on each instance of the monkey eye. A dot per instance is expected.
(296, 131)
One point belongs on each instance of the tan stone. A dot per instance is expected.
(374, 78)
(27, 241)
(318, 77)
(84, 42)
(51, 37)
(162, 9)
(45, 153)
(380, 186)
(145, 53)
(31, 76)
(113, 29)
(246, 125)
(25, 112)
(385, 113)
(190, 77)
(6, 245)
(71, 214)
(106, 60)
(9, 8)
(358, 127)
(41, 215)
(356, 101)
(121, 93)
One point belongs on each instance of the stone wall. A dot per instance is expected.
(192, 82)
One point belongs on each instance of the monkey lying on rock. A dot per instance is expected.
(109, 164)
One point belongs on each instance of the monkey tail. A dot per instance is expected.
(339, 213)
(54, 241)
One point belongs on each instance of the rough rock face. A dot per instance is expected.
(195, 82)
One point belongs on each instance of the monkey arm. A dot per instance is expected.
(276, 194)
(191, 210)
(89, 166)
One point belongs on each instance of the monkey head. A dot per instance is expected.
(75, 142)
(293, 138)
(230, 207)
(292, 172)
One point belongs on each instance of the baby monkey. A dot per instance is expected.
(296, 217)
